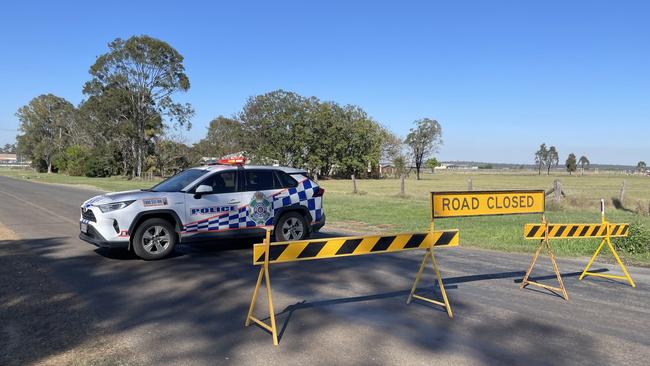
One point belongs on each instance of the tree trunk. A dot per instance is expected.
(139, 170)
(354, 184)
(49, 166)
(401, 185)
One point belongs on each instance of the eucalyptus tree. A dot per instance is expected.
(149, 71)
(46, 126)
(584, 162)
(423, 140)
(552, 159)
(540, 157)
(571, 163)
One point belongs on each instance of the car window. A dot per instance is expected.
(224, 182)
(259, 180)
(179, 181)
(285, 180)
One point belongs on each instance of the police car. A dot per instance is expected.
(221, 200)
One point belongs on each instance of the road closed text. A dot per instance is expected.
(454, 204)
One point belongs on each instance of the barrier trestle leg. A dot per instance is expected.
(607, 241)
(549, 250)
(264, 274)
(445, 303)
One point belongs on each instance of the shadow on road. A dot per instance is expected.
(201, 297)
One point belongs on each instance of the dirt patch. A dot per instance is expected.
(6, 233)
(42, 322)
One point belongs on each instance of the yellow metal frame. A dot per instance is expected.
(549, 250)
(264, 273)
(607, 240)
(429, 254)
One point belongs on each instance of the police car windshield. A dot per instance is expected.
(178, 181)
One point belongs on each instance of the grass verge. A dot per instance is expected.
(381, 210)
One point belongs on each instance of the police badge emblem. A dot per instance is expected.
(260, 209)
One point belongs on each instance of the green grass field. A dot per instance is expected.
(377, 208)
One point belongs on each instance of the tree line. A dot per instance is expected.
(129, 118)
(548, 157)
(8, 149)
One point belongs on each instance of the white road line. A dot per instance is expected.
(40, 208)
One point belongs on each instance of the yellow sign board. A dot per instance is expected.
(485, 203)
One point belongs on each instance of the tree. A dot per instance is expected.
(641, 166)
(423, 140)
(111, 130)
(274, 126)
(391, 145)
(432, 163)
(170, 157)
(224, 137)
(571, 163)
(323, 137)
(540, 157)
(8, 149)
(46, 123)
(552, 159)
(148, 71)
(584, 162)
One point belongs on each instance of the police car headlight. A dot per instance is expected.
(108, 207)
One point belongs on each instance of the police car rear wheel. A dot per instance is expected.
(154, 239)
(291, 226)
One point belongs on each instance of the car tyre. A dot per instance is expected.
(154, 239)
(291, 226)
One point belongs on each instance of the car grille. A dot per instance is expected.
(88, 214)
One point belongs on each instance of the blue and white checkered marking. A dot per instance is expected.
(238, 219)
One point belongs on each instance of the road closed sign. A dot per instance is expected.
(485, 203)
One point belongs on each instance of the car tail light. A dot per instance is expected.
(319, 192)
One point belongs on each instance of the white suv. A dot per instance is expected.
(202, 203)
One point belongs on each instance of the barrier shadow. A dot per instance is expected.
(302, 305)
(564, 275)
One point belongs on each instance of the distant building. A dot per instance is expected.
(386, 169)
(8, 159)
(456, 167)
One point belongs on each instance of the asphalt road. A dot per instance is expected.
(190, 309)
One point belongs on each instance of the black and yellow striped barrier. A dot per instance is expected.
(567, 231)
(270, 253)
(545, 232)
(355, 245)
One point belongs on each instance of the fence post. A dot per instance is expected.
(354, 184)
(621, 195)
(557, 186)
(469, 184)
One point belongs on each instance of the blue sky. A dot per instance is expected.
(500, 76)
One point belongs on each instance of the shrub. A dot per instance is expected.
(637, 241)
(99, 164)
(75, 158)
(642, 208)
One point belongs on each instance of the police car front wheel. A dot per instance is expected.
(154, 239)
(291, 226)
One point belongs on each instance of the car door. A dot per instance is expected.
(218, 210)
(260, 185)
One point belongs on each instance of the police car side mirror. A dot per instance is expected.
(201, 190)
